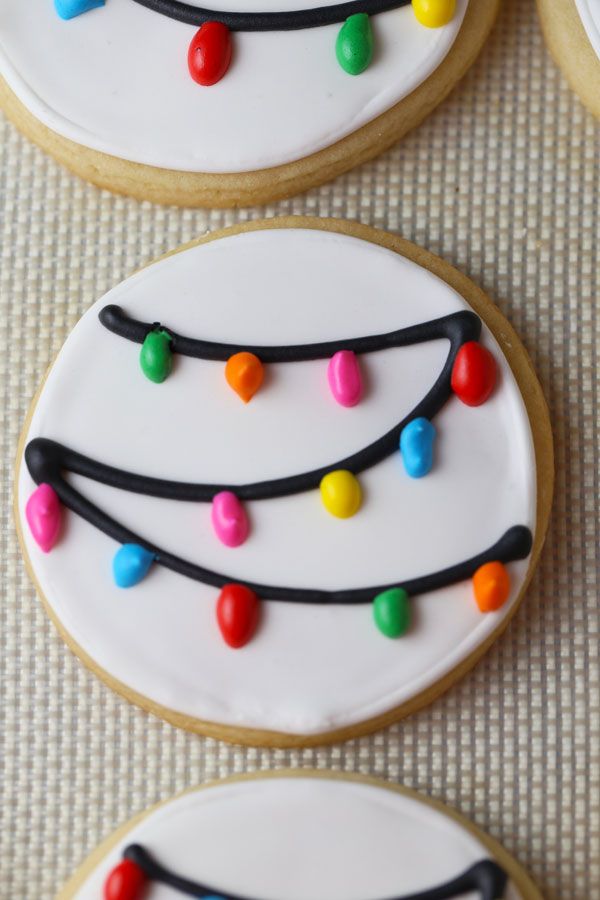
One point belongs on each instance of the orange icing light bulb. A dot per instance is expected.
(244, 373)
(491, 584)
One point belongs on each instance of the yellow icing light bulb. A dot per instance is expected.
(341, 494)
(434, 13)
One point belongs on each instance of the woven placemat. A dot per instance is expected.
(504, 182)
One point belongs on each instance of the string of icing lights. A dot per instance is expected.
(210, 51)
(468, 372)
(128, 880)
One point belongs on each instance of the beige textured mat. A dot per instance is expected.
(504, 182)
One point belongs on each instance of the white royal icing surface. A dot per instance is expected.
(299, 839)
(115, 79)
(589, 10)
(308, 669)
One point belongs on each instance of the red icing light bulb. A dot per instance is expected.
(473, 374)
(238, 610)
(126, 882)
(209, 54)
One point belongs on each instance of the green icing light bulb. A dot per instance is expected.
(391, 611)
(354, 44)
(156, 358)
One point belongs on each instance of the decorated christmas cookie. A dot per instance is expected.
(298, 836)
(572, 31)
(287, 483)
(249, 101)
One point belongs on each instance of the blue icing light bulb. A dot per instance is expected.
(131, 565)
(416, 447)
(69, 9)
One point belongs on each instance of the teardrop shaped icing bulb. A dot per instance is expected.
(44, 516)
(416, 447)
(131, 564)
(238, 611)
(391, 611)
(229, 519)
(209, 54)
(126, 881)
(491, 586)
(244, 373)
(354, 44)
(473, 374)
(341, 493)
(434, 13)
(156, 358)
(69, 9)
(345, 381)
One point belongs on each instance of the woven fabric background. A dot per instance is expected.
(504, 182)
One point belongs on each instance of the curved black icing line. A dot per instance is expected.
(270, 21)
(457, 327)
(45, 459)
(486, 877)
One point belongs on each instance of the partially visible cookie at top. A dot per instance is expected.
(242, 104)
(572, 32)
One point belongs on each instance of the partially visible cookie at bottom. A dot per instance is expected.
(300, 835)
(287, 484)
(572, 32)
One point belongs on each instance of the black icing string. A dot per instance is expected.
(457, 327)
(45, 459)
(270, 21)
(43, 455)
(486, 877)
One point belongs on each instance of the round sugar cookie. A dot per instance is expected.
(286, 484)
(300, 91)
(297, 835)
(572, 32)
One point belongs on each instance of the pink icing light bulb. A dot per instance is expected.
(343, 374)
(229, 519)
(44, 516)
